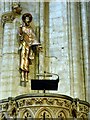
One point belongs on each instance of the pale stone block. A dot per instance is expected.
(7, 6)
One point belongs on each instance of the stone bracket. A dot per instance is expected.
(7, 17)
(11, 15)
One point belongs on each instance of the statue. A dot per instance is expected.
(27, 40)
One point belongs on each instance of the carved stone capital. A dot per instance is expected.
(8, 17)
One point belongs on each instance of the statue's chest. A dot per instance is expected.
(27, 30)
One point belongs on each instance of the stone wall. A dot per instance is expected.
(62, 30)
(68, 47)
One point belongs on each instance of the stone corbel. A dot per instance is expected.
(8, 17)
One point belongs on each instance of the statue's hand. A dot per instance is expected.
(20, 47)
(39, 48)
(21, 37)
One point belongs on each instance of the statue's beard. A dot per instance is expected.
(27, 23)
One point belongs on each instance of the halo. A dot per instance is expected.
(27, 15)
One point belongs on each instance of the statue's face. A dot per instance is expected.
(27, 21)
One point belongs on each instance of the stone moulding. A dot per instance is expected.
(7, 17)
(46, 105)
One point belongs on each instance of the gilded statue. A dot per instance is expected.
(27, 40)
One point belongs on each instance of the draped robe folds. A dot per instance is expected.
(27, 37)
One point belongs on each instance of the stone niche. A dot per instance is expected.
(45, 105)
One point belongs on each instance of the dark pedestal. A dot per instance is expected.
(44, 84)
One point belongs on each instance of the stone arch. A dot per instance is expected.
(44, 112)
(83, 117)
(62, 114)
(25, 112)
(3, 116)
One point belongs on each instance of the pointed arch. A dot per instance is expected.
(26, 112)
(63, 114)
(83, 116)
(44, 111)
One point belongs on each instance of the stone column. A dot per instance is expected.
(85, 47)
(41, 58)
(70, 49)
(10, 57)
(1, 37)
(88, 17)
(78, 77)
(44, 37)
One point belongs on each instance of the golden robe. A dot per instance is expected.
(27, 38)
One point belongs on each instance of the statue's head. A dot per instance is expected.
(27, 18)
(16, 7)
